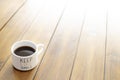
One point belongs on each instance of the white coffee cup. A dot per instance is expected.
(25, 63)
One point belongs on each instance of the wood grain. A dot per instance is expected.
(58, 60)
(7, 10)
(113, 43)
(40, 31)
(89, 63)
(77, 47)
(16, 27)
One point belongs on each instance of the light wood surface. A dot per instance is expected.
(58, 60)
(8, 8)
(81, 38)
(89, 63)
(112, 69)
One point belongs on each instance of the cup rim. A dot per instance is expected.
(13, 53)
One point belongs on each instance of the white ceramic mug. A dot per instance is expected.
(25, 63)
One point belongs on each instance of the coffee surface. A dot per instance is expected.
(24, 51)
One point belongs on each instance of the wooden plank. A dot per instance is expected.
(40, 32)
(89, 63)
(112, 70)
(17, 26)
(58, 60)
(7, 10)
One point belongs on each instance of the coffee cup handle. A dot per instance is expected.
(40, 48)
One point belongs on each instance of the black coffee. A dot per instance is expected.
(24, 51)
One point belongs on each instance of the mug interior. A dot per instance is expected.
(23, 43)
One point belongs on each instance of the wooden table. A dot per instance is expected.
(81, 38)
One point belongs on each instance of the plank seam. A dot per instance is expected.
(50, 40)
(76, 51)
(12, 15)
(5, 62)
(4, 27)
(105, 47)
